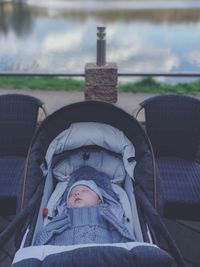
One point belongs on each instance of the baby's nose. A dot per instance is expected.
(77, 193)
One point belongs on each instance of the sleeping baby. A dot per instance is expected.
(89, 212)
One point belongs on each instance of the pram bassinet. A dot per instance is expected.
(145, 253)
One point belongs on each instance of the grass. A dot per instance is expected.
(42, 83)
(146, 85)
(150, 85)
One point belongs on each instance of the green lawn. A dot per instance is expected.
(42, 83)
(149, 85)
(146, 85)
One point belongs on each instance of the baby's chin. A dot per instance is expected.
(77, 204)
(81, 205)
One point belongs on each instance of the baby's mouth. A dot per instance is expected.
(77, 199)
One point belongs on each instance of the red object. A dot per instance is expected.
(45, 212)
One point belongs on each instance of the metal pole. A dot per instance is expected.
(120, 74)
(101, 46)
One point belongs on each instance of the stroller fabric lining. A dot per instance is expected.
(121, 173)
(89, 134)
(99, 159)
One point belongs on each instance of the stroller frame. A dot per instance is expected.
(90, 111)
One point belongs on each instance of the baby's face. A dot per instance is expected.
(82, 196)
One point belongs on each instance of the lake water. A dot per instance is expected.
(60, 36)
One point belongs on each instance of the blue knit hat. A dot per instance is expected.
(101, 179)
(91, 184)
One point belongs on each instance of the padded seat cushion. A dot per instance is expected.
(131, 254)
(11, 170)
(181, 187)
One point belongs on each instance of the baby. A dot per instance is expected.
(83, 194)
(90, 212)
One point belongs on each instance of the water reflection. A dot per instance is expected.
(91, 5)
(48, 36)
(17, 18)
(171, 16)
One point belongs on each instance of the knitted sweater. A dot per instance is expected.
(84, 225)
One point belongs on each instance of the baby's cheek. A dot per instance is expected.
(70, 202)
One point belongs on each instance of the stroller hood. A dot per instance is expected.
(95, 112)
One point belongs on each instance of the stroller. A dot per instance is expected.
(99, 135)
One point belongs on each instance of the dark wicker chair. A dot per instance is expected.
(173, 125)
(18, 122)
